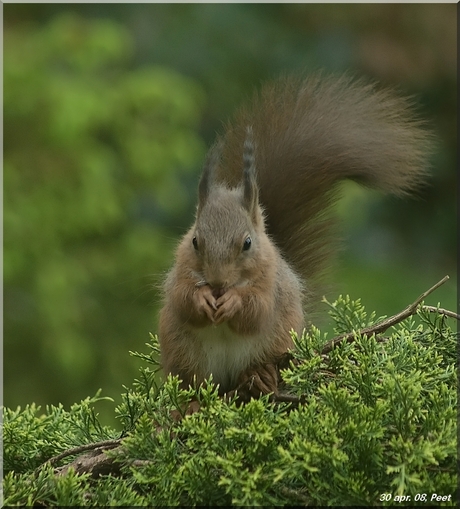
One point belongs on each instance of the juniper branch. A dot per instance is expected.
(104, 444)
(441, 311)
(382, 326)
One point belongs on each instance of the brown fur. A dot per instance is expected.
(281, 158)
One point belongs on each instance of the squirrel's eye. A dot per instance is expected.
(195, 243)
(247, 243)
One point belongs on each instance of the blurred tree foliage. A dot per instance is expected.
(107, 111)
(96, 163)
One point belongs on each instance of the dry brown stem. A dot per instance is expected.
(382, 326)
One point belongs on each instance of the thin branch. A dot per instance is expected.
(286, 398)
(140, 463)
(104, 444)
(441, 311)
(384, 324)
(295, 494)
(95, 462)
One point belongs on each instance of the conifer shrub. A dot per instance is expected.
(370, 422)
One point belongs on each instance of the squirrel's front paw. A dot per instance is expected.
(228, 305)
(205, 302)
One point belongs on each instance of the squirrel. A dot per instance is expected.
(246, 273)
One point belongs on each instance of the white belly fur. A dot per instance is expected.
(225, 354)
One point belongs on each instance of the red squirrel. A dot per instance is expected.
(246, 272)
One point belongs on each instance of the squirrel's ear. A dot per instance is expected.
(250, 189)
(210, 165)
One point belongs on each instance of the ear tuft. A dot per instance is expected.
(250, 189)
(207, 177)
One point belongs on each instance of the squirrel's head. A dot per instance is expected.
(228, 237)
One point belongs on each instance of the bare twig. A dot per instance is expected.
(95, 462)
(141, 463)
(381, 327)
(104, 444)
(295, 494)
(441, 311)
(286, 398)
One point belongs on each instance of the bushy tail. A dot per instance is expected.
(310, 134)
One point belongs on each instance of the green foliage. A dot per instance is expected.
(377, 421)
(31, 437)
(97, 155)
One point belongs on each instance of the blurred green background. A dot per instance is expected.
(108, 110)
